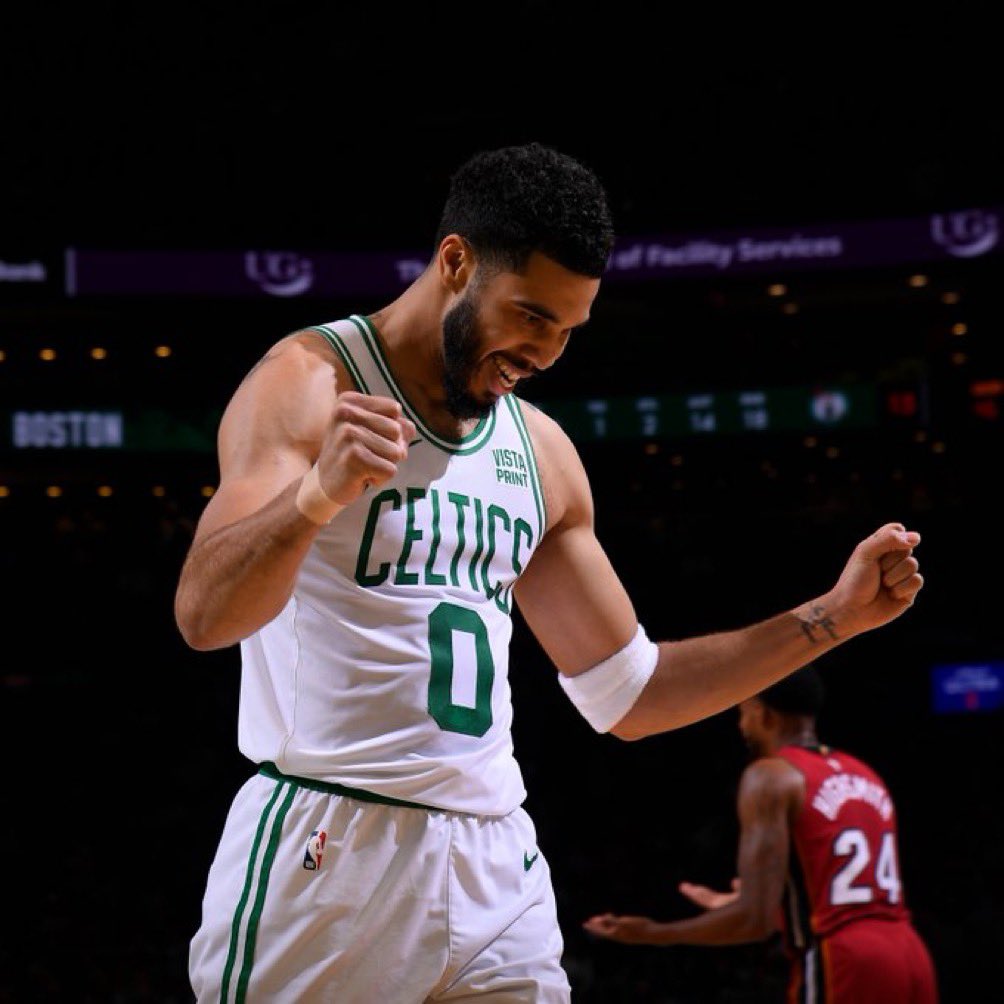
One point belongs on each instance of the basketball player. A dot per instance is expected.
(817, 854)
(384, 499)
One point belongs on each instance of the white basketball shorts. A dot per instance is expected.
(320, 897)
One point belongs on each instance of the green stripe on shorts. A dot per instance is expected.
(259, 900)
(242, 902)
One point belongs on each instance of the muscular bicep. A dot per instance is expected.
(574, 602)
(271, 430)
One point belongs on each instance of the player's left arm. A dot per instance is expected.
(768, 794)
(581, 614)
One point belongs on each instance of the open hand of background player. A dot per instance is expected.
(367, 438)
(709, 899)
(630, 930)
(646, 931)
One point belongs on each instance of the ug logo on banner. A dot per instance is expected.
(279, 273)
(965, 234)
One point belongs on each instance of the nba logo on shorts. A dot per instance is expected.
(315, 849)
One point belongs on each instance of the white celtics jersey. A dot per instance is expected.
(387, 671)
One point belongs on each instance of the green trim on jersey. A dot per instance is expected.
(470, 443)
(334, 339)
(531, 458)
(266, 867)
(328, 788)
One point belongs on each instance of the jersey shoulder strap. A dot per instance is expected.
(360, 349)
(349, 339)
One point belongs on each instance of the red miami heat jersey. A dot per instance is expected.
(844, 863)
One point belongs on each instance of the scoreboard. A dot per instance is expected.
(149, 430)
(780, 409)
(190, 429)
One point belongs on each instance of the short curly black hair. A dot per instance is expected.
(801, 693)
(510, 202)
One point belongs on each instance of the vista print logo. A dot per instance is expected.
(280, 273)
(965, 234)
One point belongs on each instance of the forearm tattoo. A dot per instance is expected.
(815, 622)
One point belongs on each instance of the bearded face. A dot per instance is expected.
(462, 349)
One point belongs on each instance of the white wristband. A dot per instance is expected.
(313, 501)
(606, 692)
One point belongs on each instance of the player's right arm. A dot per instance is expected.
(252, 537)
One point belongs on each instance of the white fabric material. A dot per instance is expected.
(388, 668)
(357, 903)
(606, 692)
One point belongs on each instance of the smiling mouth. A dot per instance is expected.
(508, 377)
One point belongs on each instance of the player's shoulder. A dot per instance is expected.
(288, 393)
(770, 775)
(300, 352)
(299, 363)
(847, 763)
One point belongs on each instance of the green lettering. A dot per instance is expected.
(364, 578)
(434, 578)
(445, 621)
(520, 528)
(461, 502)
(494, 513)
(478, 525)
(403, 577)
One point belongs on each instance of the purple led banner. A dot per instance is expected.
(238, 273)
(285, 273)
(30, 276)
(966, 234)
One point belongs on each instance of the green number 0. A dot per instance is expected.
(443, 622)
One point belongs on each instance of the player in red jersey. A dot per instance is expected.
(817, 856)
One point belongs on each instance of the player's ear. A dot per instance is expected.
(455, 261)
(755, 709)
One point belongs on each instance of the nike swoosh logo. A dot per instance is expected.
(528, 861)
(415, 442)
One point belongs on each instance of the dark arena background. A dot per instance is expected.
(799, 338)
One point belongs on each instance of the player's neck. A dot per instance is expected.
(410, 331)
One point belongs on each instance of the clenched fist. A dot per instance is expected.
(366, 439)
(880, 580)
